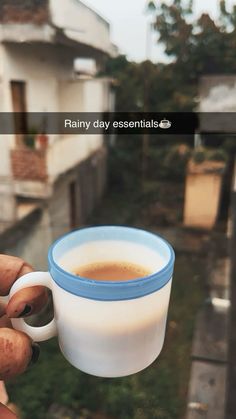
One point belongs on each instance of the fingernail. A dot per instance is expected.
(26, 311)
(35, 354)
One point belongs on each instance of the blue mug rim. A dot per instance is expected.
(115, 290)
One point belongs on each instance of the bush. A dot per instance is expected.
(176, 161)
(202, 154)
(199, 156)
(230, 145)
(217, 155)
(168, 163)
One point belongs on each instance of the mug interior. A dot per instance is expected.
(116, 243)
(111, 244)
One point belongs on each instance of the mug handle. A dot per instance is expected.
(38, 334)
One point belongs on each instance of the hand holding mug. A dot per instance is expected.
(106, 327)
(17, 350)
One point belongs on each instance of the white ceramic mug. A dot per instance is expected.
(107, 329)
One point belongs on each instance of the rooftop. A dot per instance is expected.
(65, 22)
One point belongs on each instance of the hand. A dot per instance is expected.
(17, 351)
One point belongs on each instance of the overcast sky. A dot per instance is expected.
(129, 23)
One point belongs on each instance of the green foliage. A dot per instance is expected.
(217, 155)
(175, 162)
(29, 138)
(151, 6)
(200, 46)
(128, 87)
(29, 141)
(167, 163)
(148, 87)
(229, 146)
(124, 163)
(195, 46)
(202, 154)
(199, 156)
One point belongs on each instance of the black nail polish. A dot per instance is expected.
(26, 311)
(35, 354)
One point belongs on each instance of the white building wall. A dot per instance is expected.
(4, 142)
(81, 23)
(41, 66)
(69, 152)
(71, 96)
(7, 200)
(96, 95)
(91, 95)
(5, 168)
(50, 87)
(78, 96)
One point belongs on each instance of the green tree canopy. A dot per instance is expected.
(196, 47)
(201, 46)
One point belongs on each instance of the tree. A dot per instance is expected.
(195, 46)
(131, 89)
(151, 6)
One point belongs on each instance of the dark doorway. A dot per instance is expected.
(18, 93)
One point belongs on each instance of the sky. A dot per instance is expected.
(129, 25)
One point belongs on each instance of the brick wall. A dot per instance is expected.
(24, 11)
(28, 164)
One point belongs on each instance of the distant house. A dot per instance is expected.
(217, 94)
(61, 177)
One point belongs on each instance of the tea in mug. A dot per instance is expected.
(112, 271)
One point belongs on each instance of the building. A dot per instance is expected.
(207, 193)
(217, 93)
(217, 104)
(49, 184)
